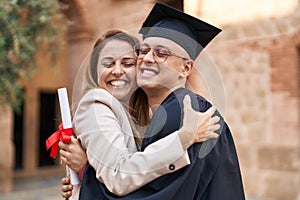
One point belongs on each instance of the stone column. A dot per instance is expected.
(82, 16)
(6, 149)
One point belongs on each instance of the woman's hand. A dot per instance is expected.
(197, 126)
(72, 154)
(66, 188)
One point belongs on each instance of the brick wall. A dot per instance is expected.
(260, 67)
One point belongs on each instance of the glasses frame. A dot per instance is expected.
(157, 58)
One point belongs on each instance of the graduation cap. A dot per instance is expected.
(189, 32)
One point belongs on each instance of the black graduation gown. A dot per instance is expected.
(213, 174)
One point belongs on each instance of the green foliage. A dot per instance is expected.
(22, 24)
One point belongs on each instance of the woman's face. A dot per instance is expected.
(116, 69)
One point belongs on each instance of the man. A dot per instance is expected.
(172, 40)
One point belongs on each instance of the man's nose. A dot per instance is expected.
(149, 57)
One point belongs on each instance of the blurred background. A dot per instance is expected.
(256, 57)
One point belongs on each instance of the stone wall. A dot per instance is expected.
(6, 149)
(260, 67)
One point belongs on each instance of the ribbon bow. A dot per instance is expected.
(61, 134)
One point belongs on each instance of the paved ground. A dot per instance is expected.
(44, 189)
(35, 189)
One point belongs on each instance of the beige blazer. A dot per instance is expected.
(101, 123)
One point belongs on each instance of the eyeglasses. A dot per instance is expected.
(160, 53)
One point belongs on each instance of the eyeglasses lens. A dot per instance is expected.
(160, 53)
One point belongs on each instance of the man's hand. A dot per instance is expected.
(66, 188)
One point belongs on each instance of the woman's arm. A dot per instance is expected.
(111, 150)
(112, 153)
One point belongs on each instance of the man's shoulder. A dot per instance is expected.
(198, 102)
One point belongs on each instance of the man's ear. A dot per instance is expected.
(187, 68)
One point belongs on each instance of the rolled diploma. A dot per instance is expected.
(67, 123)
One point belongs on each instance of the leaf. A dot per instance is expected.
(22, 22)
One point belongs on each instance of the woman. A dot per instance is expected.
(108, 133)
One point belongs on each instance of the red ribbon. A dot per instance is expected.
(61, 134)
